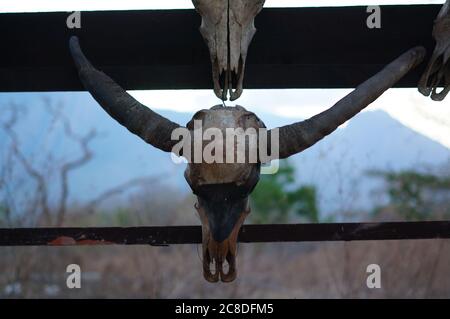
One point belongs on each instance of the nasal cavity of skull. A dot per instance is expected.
(436, 74)
(213, 269)
(236, 73)
(229, 78)
(225, 267)
(223, 81)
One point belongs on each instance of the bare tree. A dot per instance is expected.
(41, 205)
(35, 189)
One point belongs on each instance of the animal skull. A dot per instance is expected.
(223, 189)
(437, 72)
(228, 28)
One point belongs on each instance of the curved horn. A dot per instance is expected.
(137, 118)
(299, 136)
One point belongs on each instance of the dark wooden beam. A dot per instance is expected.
(161, 236)
(162, 49)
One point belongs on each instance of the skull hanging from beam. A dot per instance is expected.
(228, 28)
(437, 72)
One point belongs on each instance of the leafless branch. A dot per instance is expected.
(120, 189)
(72, 165)
(39, 178)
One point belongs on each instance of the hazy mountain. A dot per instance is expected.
(372, 140)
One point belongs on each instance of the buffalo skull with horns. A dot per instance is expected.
(437, 72)
(228, 28)
(223, 189)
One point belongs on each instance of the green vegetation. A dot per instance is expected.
(277, 196)
(3, 215)
(416, 196)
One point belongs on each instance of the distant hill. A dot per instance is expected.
(338, 164)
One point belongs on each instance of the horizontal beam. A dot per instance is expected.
(161, 236)
(163, 49)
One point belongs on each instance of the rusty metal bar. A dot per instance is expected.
(161, 236)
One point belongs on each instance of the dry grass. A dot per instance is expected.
(410, 269)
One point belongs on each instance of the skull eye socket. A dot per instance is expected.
(227, 192)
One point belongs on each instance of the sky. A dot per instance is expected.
(72, 5)
(409, 107)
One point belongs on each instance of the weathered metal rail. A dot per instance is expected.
(161, 236)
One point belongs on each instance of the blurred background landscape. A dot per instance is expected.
(64, 162)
